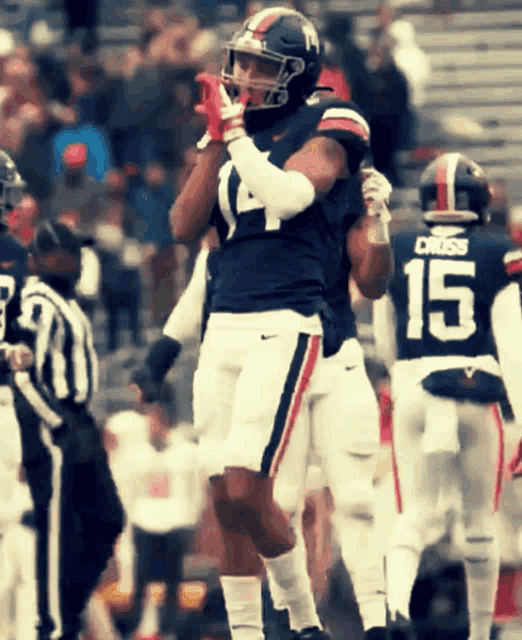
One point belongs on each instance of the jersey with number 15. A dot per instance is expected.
(443, 290)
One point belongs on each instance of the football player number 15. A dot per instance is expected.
(438, 291)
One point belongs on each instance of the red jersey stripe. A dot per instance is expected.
(344, 124)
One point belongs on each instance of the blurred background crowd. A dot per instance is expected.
(97, 109)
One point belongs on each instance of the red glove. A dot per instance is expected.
(210, 105)
(224, 118)
(515, 464)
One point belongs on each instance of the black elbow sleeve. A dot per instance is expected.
(149, 378)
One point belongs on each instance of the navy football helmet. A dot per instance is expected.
(454, 190)
(287, 43)
(11, 187)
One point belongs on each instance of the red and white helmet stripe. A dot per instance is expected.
(446, 211)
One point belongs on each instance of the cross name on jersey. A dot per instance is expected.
(426, 245)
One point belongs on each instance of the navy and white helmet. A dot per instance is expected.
(11, 186)
(286, 40)
(454, 189)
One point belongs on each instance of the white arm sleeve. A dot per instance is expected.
(506, 322)
(284, 194)
(184, 322)
(384, 325)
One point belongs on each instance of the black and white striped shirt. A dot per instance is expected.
(65, 371)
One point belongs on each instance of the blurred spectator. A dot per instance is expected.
(415, 65)
(24, 218)
(339, 31)
(182, 50)
(82, 17)
(390, 100)
(410, 59)
(159, 485)
(90, 91)
(84, 116)
(114, 206)
(35, 155)
(149, 201)
(121, 288)
(76, 193)
(515, 224)
(332, 74)
(137, 100)
(20, 98)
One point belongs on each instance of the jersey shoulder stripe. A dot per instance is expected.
(344, 118)
(513, 262)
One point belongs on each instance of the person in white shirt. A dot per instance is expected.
(158, 482)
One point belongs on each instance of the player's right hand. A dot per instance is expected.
(210, 106)
(224, 117)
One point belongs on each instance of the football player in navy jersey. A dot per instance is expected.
(449, 329)
(344, 426)
(277, 201)
(13, 270)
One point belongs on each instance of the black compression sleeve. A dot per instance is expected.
(161, 357)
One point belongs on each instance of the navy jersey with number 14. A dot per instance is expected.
(267, 264)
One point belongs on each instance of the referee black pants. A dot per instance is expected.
(78, 516)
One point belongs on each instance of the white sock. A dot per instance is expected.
(402, 564)
(365, 562)
(294, 588)
(244, 606)
(482, 566)
(301, 565)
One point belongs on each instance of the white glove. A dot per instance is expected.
(375, 186)
(376, 191)
(232, 115)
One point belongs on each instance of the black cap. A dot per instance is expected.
(51, 236)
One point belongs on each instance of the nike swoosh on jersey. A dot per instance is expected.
(263, 337)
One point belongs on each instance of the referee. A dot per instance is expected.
(77, 509)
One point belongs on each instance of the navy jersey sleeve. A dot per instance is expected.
(345, 122)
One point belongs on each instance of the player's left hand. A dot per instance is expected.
(514, 466)
(210, 106)
(375, 186)
(20, 357)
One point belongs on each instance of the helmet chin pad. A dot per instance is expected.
(275, 88)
